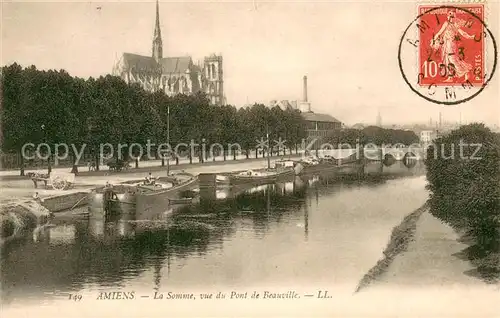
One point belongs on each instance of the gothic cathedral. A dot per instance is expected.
(173, 75)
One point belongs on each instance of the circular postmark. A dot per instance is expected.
(447, 55)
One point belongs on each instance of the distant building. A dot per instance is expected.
(172, 75)
(427, 136)
(379, 120)
(358, 126)
(304, 105)
(283, 104)
(320, 125)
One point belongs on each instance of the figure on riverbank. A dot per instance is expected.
(150, 180)
(91, 165)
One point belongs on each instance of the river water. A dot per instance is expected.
(319, 230)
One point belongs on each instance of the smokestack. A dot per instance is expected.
(305, 88)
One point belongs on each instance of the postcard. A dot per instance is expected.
(250, 158)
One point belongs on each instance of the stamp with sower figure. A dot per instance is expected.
(454, 51)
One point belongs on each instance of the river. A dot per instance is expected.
(316, 230)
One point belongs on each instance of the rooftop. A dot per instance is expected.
(359, 126)
(283, 104)
(140, 63)
(310, 116)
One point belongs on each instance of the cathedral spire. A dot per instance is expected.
(157, 43)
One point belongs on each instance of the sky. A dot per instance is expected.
(348, 50)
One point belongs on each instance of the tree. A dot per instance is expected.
(17, 111)
(54, 108)
(346, 138)
(463, 171)
(245, 134)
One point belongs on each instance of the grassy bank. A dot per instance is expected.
(485, 258)
(401, 236)
(17, 218)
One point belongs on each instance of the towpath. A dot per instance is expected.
(15, 188)
(430, 276)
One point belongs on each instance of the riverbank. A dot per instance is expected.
(156, 165)
(431, 258)
(59, 201)
(22, 187)
(148, 166)
(14, 191)
(399, 241)
(423, 252)
(21, 216)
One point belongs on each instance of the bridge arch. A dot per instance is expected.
(388, 160)
(410, 159)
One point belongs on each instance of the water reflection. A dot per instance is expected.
(64, 234)
(75, 254)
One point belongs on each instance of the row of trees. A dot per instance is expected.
(465, 192)
(375, 135)
(53, 107)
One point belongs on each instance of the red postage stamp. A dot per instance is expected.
(451, 45)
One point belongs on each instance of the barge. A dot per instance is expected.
(257, 177)
(129, 196)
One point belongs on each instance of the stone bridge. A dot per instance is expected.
(385, 153)
(398, 153)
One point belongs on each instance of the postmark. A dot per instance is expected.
(447, 55)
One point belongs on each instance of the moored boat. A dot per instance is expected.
(309, 164)
(123, 197)
(313, 164)
(289, 164)
(260, 176)
(112, 198)
(168, 185)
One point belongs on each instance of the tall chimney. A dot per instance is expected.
(305, 88)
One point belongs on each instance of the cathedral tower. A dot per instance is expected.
(214, 79)
(157, 43)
